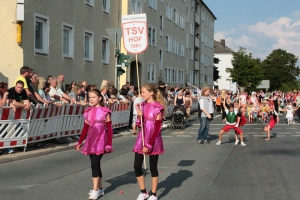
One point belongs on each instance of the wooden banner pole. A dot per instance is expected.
(139, 90)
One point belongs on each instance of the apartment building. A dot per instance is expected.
(170, 55)
(204, 45)
(57, 36)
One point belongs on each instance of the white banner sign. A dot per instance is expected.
(135, 33)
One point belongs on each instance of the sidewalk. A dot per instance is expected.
(54, 148)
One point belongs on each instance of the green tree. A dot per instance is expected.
(280, 68)
(246, 71)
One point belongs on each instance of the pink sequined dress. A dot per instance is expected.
(150, 112)
(96, 139)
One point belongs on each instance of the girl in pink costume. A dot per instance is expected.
(97, 133)
(152, 111)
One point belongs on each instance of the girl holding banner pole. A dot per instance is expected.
(151, 113)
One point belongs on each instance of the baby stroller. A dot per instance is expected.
(178, 117)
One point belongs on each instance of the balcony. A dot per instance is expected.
(197, 44)
(197, 65)
(197, 19)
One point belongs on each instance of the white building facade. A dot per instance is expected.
(224, 54)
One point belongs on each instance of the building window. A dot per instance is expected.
(41, 34)
(181, 20)
(68, 41)
(196, 78)
(174, 45)
(151, 72)
(160, 58)
(168, 74)
(153, 4)
(201, 78)
(175, 16)
(136, 7)
(105, 50)
(89, 2)
(181, 76)
(187, 66)
(191, 53)
(187, 14)
(161, 25)
(174, 76)
(191, 77)
(169, 10)
(187, 40)
(88, 46)
(105, 5)
(182, 47)
(168, 43)
(193, 5)
(152, 36)
(133, 2)
(192, 28)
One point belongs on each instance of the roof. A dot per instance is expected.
(208, 9)
(220, 48)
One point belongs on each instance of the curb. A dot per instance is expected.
(53, 149)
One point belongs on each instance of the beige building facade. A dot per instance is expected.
(66, 37)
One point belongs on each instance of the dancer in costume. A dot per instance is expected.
(271, 124)
(241, 120)
(97, 133)
(231, 116)
(152, 111)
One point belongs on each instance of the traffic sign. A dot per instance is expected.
(135, 33)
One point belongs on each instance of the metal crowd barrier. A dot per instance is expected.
(22, 127)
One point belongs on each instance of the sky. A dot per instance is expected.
(260, 26)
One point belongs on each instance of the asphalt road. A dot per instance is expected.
(188, 170)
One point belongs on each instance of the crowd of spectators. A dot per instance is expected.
(30, 90)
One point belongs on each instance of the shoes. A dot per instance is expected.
(200, 142)
(236, 142)
(206, 142)
(94, 195)
(152, 197)
(218, 143)
(243, 144)
(9, 151)
(143, 196)
(100, 192)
